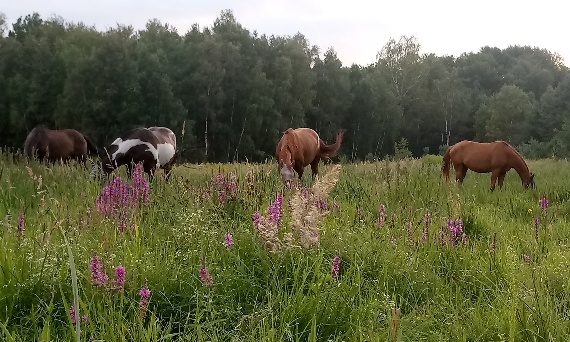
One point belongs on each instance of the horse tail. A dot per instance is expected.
(330, 151)
(91, 147)
(446, 162)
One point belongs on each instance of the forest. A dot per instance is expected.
(228, 92)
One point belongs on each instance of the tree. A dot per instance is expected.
(509, 113)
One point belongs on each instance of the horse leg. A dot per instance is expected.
(315, 167)
(494, 176)
(463, 173)
(501, 179)
(299, 170)
(458, 173)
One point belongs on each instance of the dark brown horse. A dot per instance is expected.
(301, 147)
(55, 145)
(496, 157)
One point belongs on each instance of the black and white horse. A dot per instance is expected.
(153, 147)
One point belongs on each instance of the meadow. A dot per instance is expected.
(382, 251)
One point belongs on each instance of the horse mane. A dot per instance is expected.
(513, 149)
(516, 153)
(291, 142)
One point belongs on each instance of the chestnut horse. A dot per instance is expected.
(55, 145)
(301, 147)
(496, 157)
(153, 147)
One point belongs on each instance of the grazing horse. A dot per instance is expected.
(301, 147)
(153, 147)
(166, 148)
(496, 157)
(54, 145)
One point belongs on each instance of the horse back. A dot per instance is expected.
(310, 142)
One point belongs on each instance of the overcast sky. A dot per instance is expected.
(356, 29)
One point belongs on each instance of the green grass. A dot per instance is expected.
(470, 292)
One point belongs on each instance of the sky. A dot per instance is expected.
(356, 29)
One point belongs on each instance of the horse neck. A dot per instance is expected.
(289, 148)
(520, 165)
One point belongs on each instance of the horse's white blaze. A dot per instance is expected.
(126, 145)
(165, 153)
(285, 173)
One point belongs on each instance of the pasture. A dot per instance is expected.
(187, 262)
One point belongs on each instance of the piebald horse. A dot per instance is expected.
(496, 157)
(152, 147)
(55, 145)
(301, 147)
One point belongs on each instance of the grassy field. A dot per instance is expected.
(371, 252)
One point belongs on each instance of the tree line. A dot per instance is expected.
(229, 93)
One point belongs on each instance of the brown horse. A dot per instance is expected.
(301, 147)
(496, 157)
(55, 145)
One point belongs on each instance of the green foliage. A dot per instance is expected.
(233, 92)
(401, 150)
(508, 115)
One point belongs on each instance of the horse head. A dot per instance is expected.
(530, 182)
(286, 164)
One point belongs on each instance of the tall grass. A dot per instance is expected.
(403, 277)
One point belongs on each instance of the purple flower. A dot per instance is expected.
(322, 204)
(409, 230)
(526, 258)
(426, 218)
(256, 218)
(120, 278)
(72, 314)
(425, 234)
(143, 303)
(98, 277)
(21, 220)
(380, 220)
(205, 274)
(543, 203)
(274, 210)
(229, 240)
(335, 266)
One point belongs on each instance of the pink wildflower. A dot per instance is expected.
(21, 220)
(335, 266)
(229, 241)
(205, 274)
(98, 277)
(143, 303)
(120, 278)
(72, 314)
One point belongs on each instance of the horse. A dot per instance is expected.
(301, 147)
(167, 153)
(496, 157)
(153, 147)
(55, 145)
